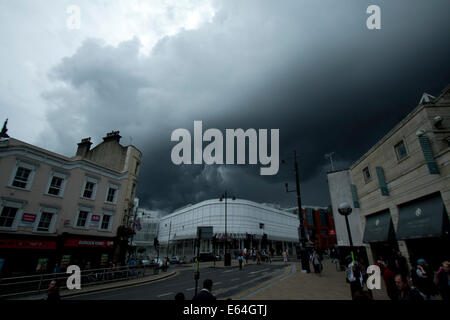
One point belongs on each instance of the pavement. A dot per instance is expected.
(296, 285)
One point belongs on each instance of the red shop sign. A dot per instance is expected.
(88, 243)
(27, 244)
(29, 217)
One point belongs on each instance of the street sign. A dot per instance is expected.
(205, 232)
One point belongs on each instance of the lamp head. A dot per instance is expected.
(345, 209)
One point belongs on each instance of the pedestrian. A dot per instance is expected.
(424, 280)
(354, 277)
(389, 281)
(179, 296)
(53, 292)
(258, 257)
(405, 292)
(205, 294)
(240, 260)
(285, 257)
(442, 280)
(253, 254)
(401, 264)
(315, 259)
(57, 269)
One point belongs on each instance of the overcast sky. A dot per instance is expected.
(311, 69)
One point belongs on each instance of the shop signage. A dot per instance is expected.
(95, 220)
(88, 243)
(27, 244)
(332, 232)
(29, 217)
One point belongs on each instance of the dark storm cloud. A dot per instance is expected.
(311, 69)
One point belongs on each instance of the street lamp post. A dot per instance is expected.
(227, 256)
(301, 230)
(345, 209)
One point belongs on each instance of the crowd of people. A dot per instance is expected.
(419, 283)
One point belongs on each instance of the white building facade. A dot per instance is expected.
(244, 218)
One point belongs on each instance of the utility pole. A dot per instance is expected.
(301, 230)
(168, 240)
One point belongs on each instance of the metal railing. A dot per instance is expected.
(37, 284)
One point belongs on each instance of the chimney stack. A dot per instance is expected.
(112, 136)
(84, 146)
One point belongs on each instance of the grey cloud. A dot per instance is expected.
(311, 69)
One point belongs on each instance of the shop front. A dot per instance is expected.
(23, 255)
(380, 235)
(86, 252)
(424, 225)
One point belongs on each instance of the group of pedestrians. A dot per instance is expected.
(421, 283)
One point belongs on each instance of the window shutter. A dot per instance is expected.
(382, 181)
(354, 196)
(428, 154)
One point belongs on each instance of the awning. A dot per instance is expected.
(423, 218)
(379, 228)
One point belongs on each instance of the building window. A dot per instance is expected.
(111, 195)
(7, 216)
(90, 187)
(82, 218)
(45, 221)
(366, 173)
(106, 221)
(400, 150)
(56, 184)
(21, 178)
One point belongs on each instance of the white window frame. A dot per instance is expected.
(18, 216)
(88, 218)
(63, 184)
(115, 187)
(30, 177)
(52, 225)
(94, 192)
(111, 219)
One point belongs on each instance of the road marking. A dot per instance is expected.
(253, 272)
(190, 289)
(164, 294)
(228, 271)
(235, 279)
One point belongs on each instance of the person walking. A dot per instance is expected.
(354, 277)
(205, 294)
(424, 280)
(405, 292)
(285, 259)
(53, 292)
(389, 281)
(240, 260)
(258, 257)
(315, 259)
(442, 280)
(401, 264)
